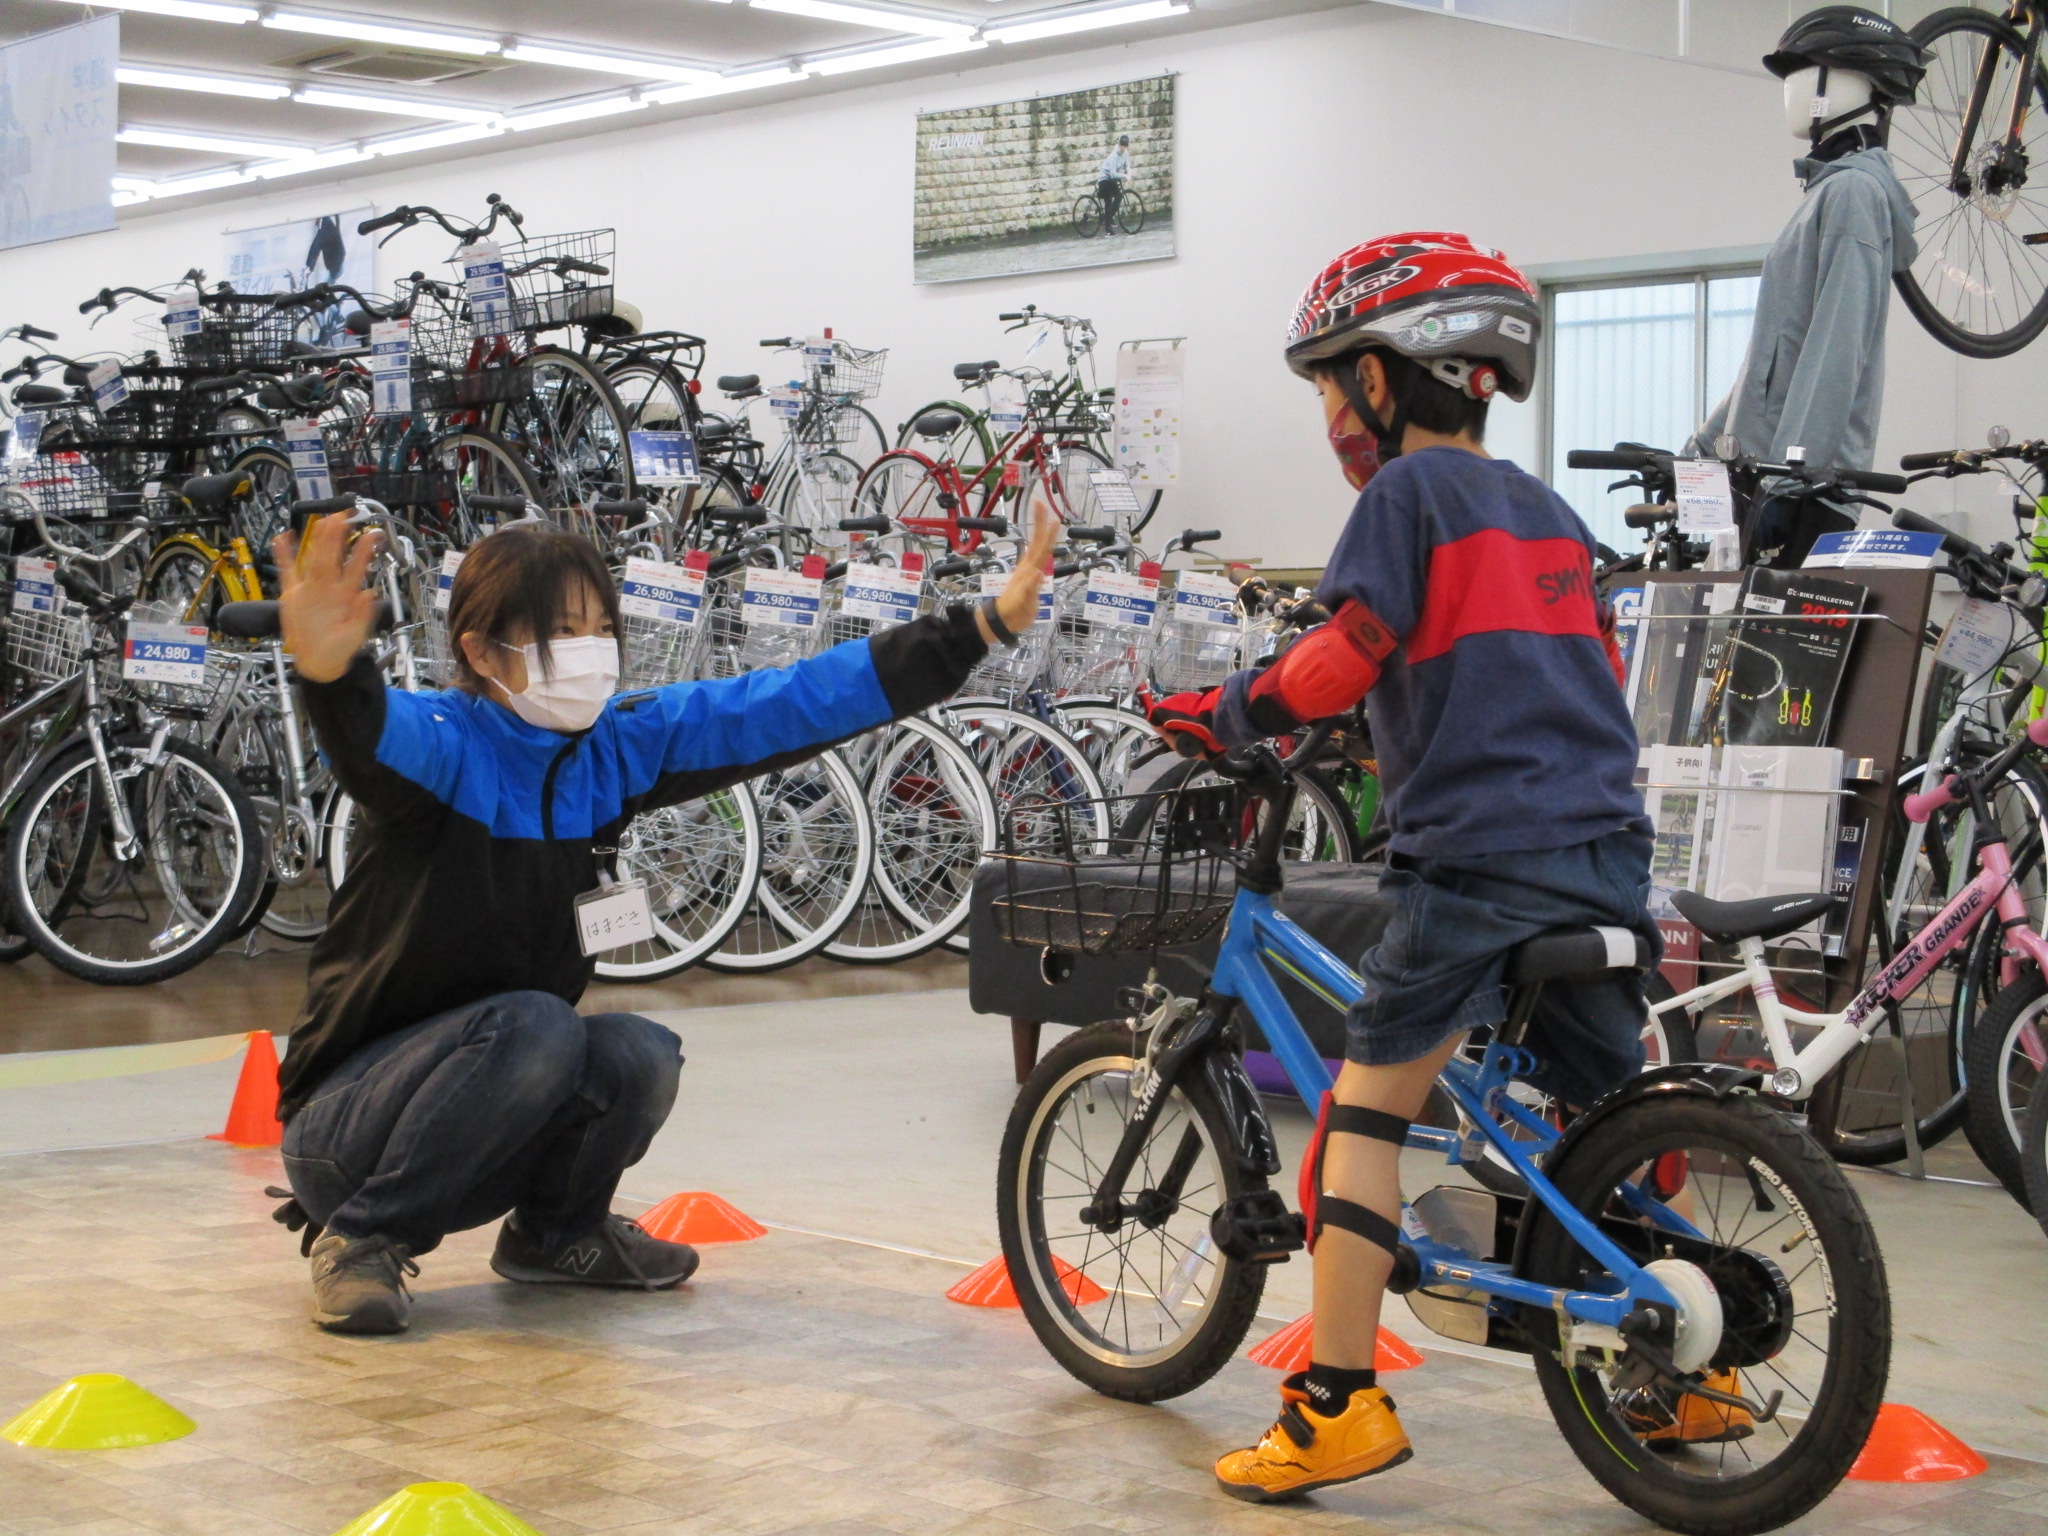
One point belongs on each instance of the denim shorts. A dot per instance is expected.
(1437, 970)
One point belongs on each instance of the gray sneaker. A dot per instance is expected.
(615, 1253)
(359, 1284)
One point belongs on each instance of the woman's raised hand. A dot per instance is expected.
(326, 611)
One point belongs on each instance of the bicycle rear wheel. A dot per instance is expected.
(1978, 283)
(701, 861)
(571, 428)
(911, 491)
(817, 854)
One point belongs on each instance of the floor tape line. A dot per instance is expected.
(45, 1069)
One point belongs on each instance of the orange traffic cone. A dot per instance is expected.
(698, 1217)
(1288, 1350)
(252, 1117)
(989, 1286)
(1906, 1446)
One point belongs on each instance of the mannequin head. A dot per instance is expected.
(1845, 97)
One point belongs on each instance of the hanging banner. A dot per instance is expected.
(57, 122)
(292, 257)
(1149, 384)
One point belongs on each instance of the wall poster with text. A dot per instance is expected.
(57, 122)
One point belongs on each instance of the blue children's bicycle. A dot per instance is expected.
(1700, 1289)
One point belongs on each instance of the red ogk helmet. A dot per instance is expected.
(1457, 308)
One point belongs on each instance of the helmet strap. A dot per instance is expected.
(1389, 432)
(1824, 129)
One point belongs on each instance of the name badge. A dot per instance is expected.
(613, 916)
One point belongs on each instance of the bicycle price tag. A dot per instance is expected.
(484, 285)
(613, 916)
(35, 585)
(181, 313)
(444, 579)
(164, 653)
(663, 458)
(1007, 419)
(108, 388)
(668, 594)
(1978, 636)
(788, 599)
(1119, 597)
(993, 582)
(1200, 597)
(1113, 492)
(27, 434)
(787, 403)
(881, 593)
(308, 452)
(1704, 500)
(818, 351)
(391, 366)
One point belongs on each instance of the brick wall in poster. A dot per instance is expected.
(984, 173)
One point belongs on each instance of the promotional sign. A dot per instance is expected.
(308, 453)
(1875, 546)
(993, 582)
(668, 594)
(483, 283)
(391, 366)
(1200, 597)
(1118, 597)
(164, 653)
(27, 434)
(1704, 500)
(1149, 384)
(1003, 420)
(444, 579)
(300, 254)
(35, 585)
(881, 593)
(663, 458)
(58, 118)
(789, 599)
(108, 387)
(181, 312)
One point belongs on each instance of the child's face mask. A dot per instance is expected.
(586, 673)
(1357, 450)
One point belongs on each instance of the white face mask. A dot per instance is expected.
(586, 675)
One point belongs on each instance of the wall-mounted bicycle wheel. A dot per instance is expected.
(1979, 282)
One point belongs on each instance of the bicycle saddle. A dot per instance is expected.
(285, 394)
(967, 373)
(713, 428)
(739, 383)
(40, 394)
(1576, 954)
(258, 620)
(1765, 917)
(938, 423)
(212, 493)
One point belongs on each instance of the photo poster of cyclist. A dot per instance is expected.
(57, 123)
(1786, 658)
(1081, 179)
(286, 258)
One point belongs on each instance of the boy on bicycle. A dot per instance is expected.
(1463, 613)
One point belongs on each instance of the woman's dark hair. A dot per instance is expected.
(1432, 404)
(520, 579)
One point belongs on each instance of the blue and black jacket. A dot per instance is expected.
(478, 829)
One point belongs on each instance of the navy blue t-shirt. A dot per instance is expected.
(1498, 720)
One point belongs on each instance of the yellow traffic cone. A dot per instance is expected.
(97, 1413)
(438, 1509)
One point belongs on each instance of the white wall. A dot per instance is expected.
(1296, 138)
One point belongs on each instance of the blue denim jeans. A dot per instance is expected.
(516, 1102)
(1437, 970)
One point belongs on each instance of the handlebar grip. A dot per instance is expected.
(1912, 461)
(952, 565)
(1193, 536)
(1919, 807)
(999, 526)
(1872, 480)
(104, 298)
(1066, 567)
(876, 524)
(37, 333)
(573, 264)
(738, 517)
(1009, 317)
(513, 504)
(1913, 522)
(345, 502)
(1609, 458)
(1093, 535)
(779, 341)
(835, 570)
(718, 565)
(1649, 515)
(383, 221)
(631, 507)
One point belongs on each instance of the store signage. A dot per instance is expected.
(1121, 598)
(484, 285)
(881, 593)
(1875, 546)
(789, 599)
(35, 585)
(1704, 500)
(1201, 597)
(663, 458)
(391, 366)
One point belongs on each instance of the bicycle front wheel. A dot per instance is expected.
(817, 854)
(1979, 282)
(122, 917)
(1087, 215)
(1785, 1254)
(700, 861)
(572, 428)
(1130, 213)
(1153, 1309)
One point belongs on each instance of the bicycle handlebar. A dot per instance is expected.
(397, 215)
(1872, 480)
(1012, 316)
(1091, 535)
(999, 526)
(780, 341)
(1951, 543)
(1941, 460)
(1649, 515)
(876, 524)
(1616, 458)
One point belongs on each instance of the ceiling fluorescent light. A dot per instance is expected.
(216, 85)
(550, 117)
(396, 106)
(607, 63)
(206, 183)
(378, 32)
(214, 143)
(867, 16)
(438, 138)
(723, 85)
(1060, 24)
(908, 53)
(190, 10)
(304, 163)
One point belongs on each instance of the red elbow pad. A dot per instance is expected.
(1324, 673)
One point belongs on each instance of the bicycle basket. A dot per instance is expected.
(467, 390)
(851, 373)
(1194, 656)
(1094, 656)
(246, 330)
(45, 647)
(1163, 878)
(544, 297)
(656, 652)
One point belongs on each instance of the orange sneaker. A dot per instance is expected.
(1661, 1423)
(1304, 1451)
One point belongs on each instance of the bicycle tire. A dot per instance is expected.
(484, 464)
(576, 441)
(1114, 738)
(869, 442)
(698, 898)
(1088, 216)
(266, 511)
(911, 490)
(2034, 1158)
(1068, 487)
(1125, 223)
(822, 491)
(1922, 151)
(177, 572)
(29, 845)
(2002, 1081)
(653, 394)
(1739, 1144)
(1103, 1052)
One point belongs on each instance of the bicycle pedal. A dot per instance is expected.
(1257, 1228)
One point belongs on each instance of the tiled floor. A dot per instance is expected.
(799, 1384)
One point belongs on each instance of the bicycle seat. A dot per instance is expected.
(714, 429)
(1765, 917)
(938, 423)
(967, 373)
(738, 383)
(1576, 954)
(286, 394)
(248, 620)
(40, 394)
(212, 493)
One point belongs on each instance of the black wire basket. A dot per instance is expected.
(1161, 874)
(237, 330)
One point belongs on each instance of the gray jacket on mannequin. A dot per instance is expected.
(1814, 374)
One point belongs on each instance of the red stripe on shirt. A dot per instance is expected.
(1492, 581)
